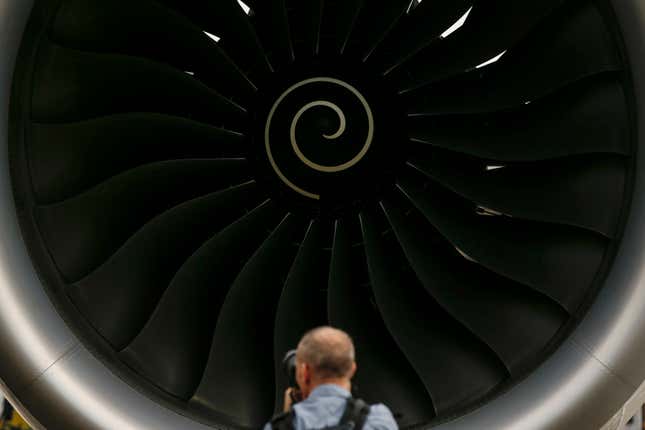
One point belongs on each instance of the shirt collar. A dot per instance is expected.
(329, 390)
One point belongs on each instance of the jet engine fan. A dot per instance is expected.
(186, 187)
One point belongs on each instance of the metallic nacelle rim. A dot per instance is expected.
(54, 379)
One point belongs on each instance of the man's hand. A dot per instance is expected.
(291, 396)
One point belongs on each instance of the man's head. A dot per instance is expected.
(325, 355)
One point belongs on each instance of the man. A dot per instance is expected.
(325, 365)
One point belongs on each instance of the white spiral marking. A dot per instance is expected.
(341, 130)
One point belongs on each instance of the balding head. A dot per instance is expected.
(329, 352)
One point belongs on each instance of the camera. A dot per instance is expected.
(289, 367)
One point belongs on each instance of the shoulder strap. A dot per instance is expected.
(356, 412)
(284, 421)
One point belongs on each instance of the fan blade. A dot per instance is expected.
(596, 119)
(272, 25)
(302, 303)
(131, 282)
(504, 22)
(552, 58)
(585, 192)
(173, 347)
(559, 261)
(339, 18)
(79, 234)
(145, 28)
(455, 367)
(417, 29)
(238, 379)
(374, 22)
(305, 19)
(515, 322)
(66, 159)
(226, 20)
(73, 85)
(352, 308)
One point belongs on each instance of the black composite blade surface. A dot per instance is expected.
(271, 22)
(554, 56)
(72, 85)
(416, 29)
(587, 192)
(239, 376)
(454, 365)
(352, 307)
(339, 19)
(586, 119)
(305, 18)
(173, 347)
(493, 27)
(81, 236)
(559, 261)
(131, 282)
(227, 20)
(373, 24)
(514, 321)
(303, 304)
(67, 159)
(147, 29)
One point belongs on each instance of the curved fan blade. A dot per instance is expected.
(559, 261)
(586, 192)
(72, 85)
(226, 20)
(554, 57)
(145, 28)
(238, 379)
(504, 22)
(272, 24)
(131, 282)
(81, 235)
(455, 367)
(66, 159)
(305, 20)
(173, 347)
(515, 322)
(591, 119)
(418, 28)
(302, 303)
(339, 18)
(352, 308)
(374, 22)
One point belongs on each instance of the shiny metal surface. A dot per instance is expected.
(583, 385)
(85, 395)
(615, 331)
(32, 334)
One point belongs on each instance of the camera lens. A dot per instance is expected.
(289, 367)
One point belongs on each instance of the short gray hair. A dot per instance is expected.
(329, 351)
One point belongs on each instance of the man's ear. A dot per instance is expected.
(353, 371)
(306, 373)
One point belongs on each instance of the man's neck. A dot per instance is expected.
(340, 382)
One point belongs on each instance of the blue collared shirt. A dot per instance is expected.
(325, 407)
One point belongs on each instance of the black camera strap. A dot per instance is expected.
(354, 417)
(284, 421)
(356, 413)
